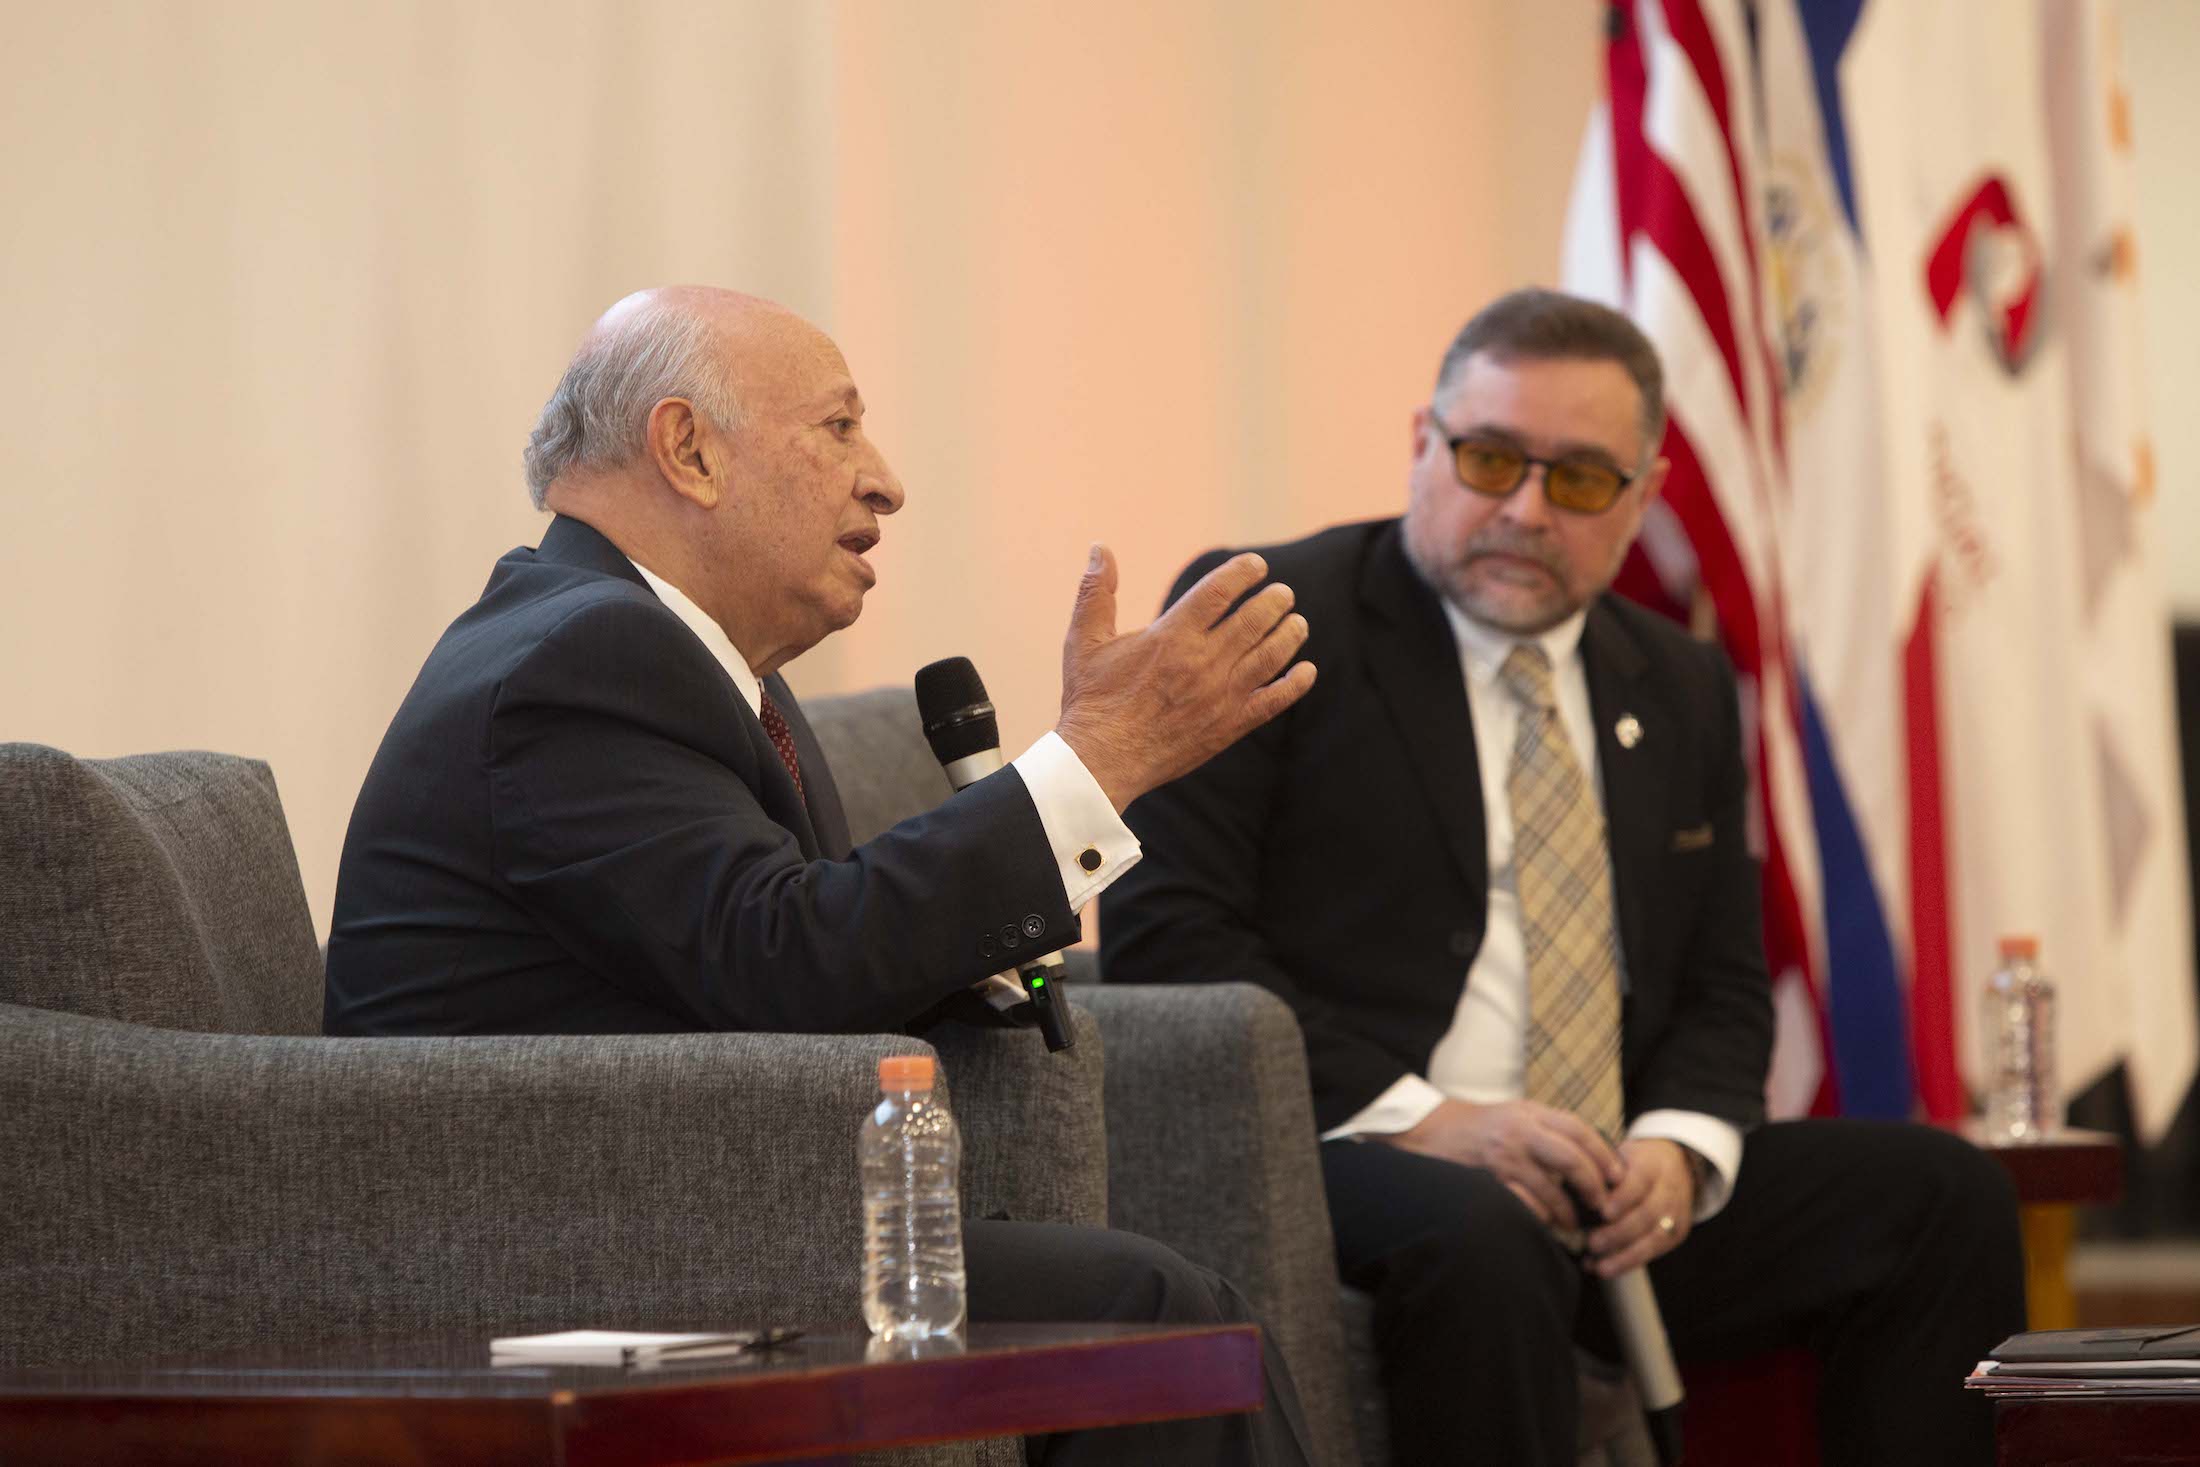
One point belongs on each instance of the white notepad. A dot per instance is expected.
(622, 1347)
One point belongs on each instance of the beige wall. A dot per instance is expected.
(1163, 276)
(284, 284)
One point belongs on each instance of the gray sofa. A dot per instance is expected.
(189, 1168)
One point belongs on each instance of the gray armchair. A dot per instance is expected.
(1209, 1126)
(189, 1167)
(1210, 1134)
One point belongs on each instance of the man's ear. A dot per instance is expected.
(1653, 479)
(680, 446)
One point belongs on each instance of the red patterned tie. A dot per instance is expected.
(775, 728)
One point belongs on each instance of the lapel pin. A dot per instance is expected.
(1629, 729)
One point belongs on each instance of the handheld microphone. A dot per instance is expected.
(1641, 1331)
(966, 738)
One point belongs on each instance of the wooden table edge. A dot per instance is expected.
(835, 1408)
(841, 1408)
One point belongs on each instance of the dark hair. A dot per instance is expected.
(1549, 325)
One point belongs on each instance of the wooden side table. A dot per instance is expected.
(2106, 1430)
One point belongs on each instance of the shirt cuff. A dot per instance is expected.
(1716, 1141)
(1092, 845)
(1409, 1101)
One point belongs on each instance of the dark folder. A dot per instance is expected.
(2141, 1347)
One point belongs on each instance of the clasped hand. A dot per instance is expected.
(1569, 1176)
(1141, 708)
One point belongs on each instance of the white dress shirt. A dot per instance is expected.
(1482, 1057)
(1073, 812)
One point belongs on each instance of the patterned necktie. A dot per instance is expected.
(775, 729)
(1565, 887)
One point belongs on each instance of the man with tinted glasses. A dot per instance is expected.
(1498, 862)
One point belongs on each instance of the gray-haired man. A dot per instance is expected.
(599, 810)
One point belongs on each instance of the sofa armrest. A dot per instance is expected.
(175, 1190)
(1033, 1122)
(1212, 1150)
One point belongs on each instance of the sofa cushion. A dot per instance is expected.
(885, 771)
(157, 889)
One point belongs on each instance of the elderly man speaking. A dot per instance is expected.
(599, 810)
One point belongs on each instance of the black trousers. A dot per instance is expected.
(1892, 1251)
(1047, 1272)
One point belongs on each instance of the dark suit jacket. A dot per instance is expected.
(575, 824)
(1337, 855)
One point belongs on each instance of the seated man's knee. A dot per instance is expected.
(1057, 1271)
(1151, 1281)
(1497, 1255)
(1953, 1206)
(1959, 1183)
(1092, 1274)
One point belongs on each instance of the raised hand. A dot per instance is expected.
(1140, 708)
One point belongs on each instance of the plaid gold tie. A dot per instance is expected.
(1565, 887)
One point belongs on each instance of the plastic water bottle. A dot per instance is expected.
(2021, 1096)
(913, 1283)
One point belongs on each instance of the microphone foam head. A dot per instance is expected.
(957, 715)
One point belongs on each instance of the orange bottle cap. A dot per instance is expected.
(2024, 947)
(905, 1072)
